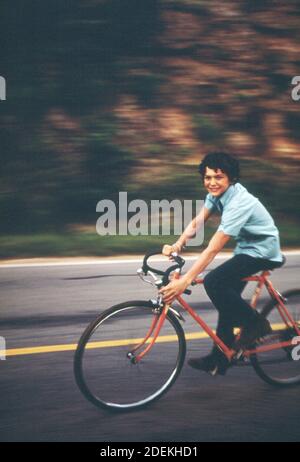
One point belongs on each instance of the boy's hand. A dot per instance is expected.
(174, 288)
(168, 249)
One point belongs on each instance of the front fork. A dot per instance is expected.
(160, 311)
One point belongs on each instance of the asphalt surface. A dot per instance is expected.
(40, 401)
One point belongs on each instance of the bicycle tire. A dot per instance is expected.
(265, 365)
(107, 370)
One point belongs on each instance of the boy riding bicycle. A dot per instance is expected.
(244, 218)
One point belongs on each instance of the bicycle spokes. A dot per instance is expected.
(273, 359)
(111, 373)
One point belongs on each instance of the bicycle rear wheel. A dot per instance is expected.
(103, 366)
(279, 367)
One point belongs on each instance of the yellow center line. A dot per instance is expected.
(104, 344)
(94, 345)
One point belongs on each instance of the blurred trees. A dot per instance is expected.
(66, 64)
(105, 95)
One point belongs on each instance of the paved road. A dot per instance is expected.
(39, 401)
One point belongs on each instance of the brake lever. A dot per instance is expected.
(179, 260)
(187, 292)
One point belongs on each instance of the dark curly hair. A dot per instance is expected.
(223, 161)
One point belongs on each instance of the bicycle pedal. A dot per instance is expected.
(214, 371)
(238, 354)
(239, 358)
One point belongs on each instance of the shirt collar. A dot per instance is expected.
(227, 195)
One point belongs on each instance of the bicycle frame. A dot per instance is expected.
(262, 281)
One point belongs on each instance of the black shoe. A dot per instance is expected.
(213, 364)
(259, 328)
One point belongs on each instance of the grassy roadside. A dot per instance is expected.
(88, 243)
(78, 244)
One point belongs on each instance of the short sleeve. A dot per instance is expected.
(209, 203)
(235, 216)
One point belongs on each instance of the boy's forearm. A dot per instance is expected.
(192, 228)
(188, 233)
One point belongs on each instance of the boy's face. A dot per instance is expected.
(216, 182)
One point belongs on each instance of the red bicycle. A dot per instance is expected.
(133, 352)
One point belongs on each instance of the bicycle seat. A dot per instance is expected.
(277, 264)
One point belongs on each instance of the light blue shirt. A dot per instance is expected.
(245, 218)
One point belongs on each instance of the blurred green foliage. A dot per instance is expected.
(208, 131)
(91, 89)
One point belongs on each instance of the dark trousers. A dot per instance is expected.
(224, 286)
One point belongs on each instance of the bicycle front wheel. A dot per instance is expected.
(104, 367)
(280, 367)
